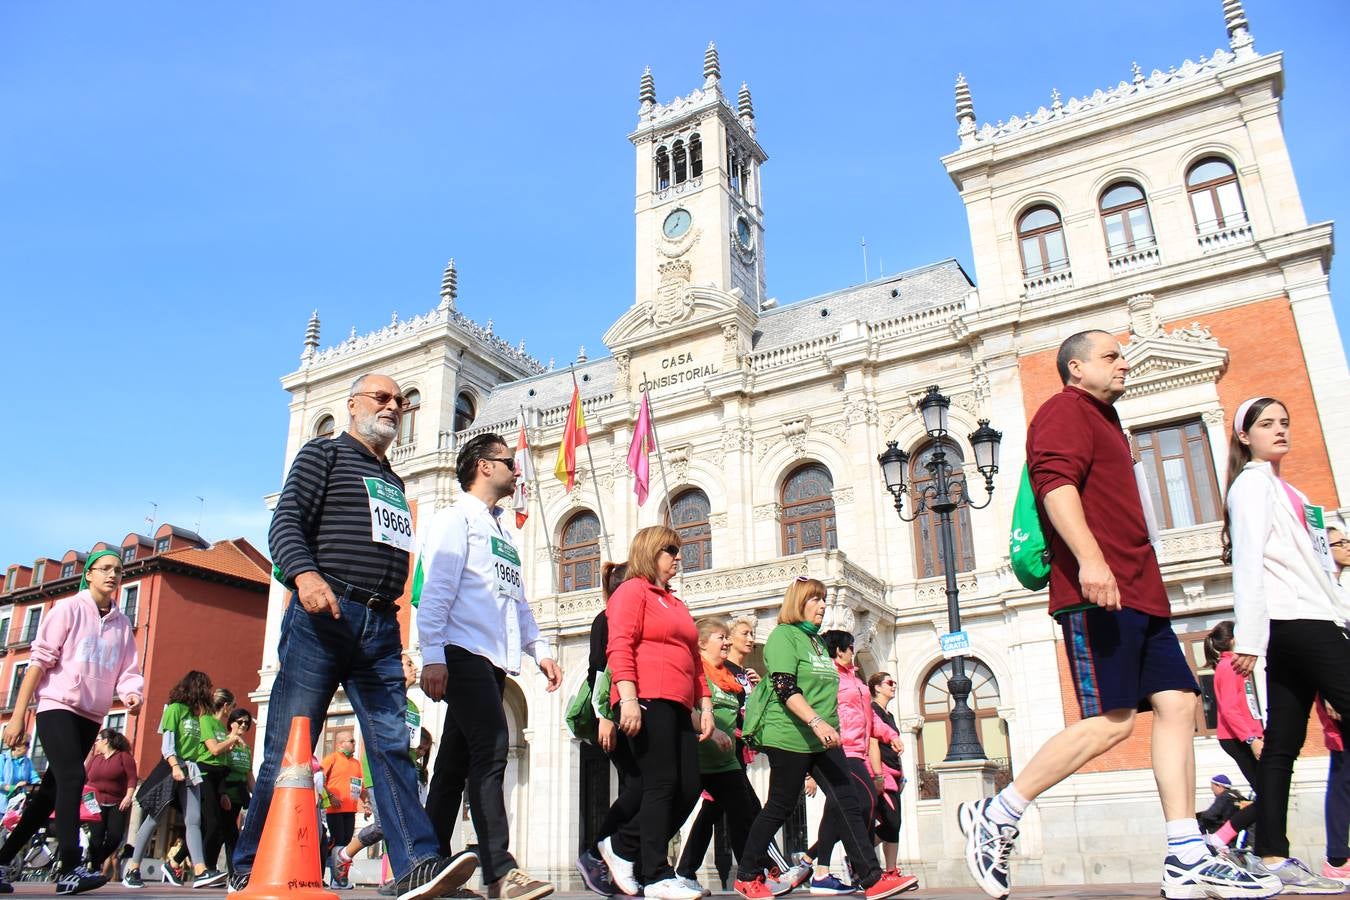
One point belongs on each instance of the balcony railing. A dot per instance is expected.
(1048, 283)
(1214, 239)
(1134, 259)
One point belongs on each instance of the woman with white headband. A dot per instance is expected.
(1288, 610)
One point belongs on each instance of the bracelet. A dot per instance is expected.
(631, 700)
(813, 722)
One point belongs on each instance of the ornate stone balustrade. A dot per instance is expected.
(779, 357)
(918, 320)
(402, 452)
(1223, 238)
(1049, 283)
(1199, 543)
(1134, 260)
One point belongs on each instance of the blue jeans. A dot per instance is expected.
(360, 651)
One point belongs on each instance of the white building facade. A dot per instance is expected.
(1164, 209)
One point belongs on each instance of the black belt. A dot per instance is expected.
(346, 591)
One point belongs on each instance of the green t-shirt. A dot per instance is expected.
(212, 728)
(187, 732)
(726, 709)
(792, 651)
(241, 764)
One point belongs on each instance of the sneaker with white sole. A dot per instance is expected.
(236, 882)
(672, 888)
(1250, 863)
(78, 880)
(620, 869)
(1299, 879)
(595, 874)
(830, 886)
(988, 846)
(207, 878)
(1211, 877)
(518, 884)
(1340, 873)
(693, 885)
(437, 876)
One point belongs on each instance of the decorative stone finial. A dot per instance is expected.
(1056, 103)
(965, 112)
(352, 337)
(311, 337)
(744, 107)
(393, 318)
(550, 364)
(1136, 73)
(449, 285)
(1239, 31)
(647, 90)
(712, 71)
(581, 353)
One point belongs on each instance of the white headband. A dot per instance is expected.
(1241, 415)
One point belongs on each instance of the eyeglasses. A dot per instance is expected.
(382, 398)
(671, 549)
(104, 570)
(889, 682)
(508, 461)
(1343, 542)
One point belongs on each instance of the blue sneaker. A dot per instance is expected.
(829, 886)
(595, 874)
(1212, 876)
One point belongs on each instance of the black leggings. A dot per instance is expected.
(1246, 760)
(226, 835)
(787, 771)
(107, 835)
(67, 738)
(629, 801)
(888, 817)
(832, 822)
(1304, 657)
(666, 752)
(732, 795)
(213, 818)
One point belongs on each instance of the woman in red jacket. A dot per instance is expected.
(1240, 733)
(665, 709)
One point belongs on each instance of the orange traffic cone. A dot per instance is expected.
(287, 865)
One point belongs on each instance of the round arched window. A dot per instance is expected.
(1216, 199)
(580, 568)
(324, 428)
(808, 510)
(407, 426)
(689, 513)
(464, 411)
(1040, 234)
(1125, 219)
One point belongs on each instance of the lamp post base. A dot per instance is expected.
(960, 782)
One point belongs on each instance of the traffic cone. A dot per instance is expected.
(287, 865)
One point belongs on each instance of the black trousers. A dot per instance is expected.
(888, 817)
(666, 752)
(732, 795)
(107, 835)
(211, 788)
(471, 761)
(67, 738)
(833, 824)
(787, 771)
(226, 835)
(1242, 754)
(1304, 657)
(629, 801)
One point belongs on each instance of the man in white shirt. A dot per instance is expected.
(474, 624)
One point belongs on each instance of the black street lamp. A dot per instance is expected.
(945, 492)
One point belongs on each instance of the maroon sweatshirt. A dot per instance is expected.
(1076, 439)
(110, 776)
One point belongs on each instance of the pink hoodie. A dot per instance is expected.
(1235, 719)
(85, 657)
(858, 722)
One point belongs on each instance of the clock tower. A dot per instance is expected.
(699, 215)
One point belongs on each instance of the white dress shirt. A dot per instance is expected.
(1276, 572)
(470, 597)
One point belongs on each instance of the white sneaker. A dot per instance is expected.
(988, 846)
(620, 869)
(1251, 864)
(1299, 879)
(672, 889)
(694, 886)
(1212, 876)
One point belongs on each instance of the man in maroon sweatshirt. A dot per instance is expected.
(1107, 593)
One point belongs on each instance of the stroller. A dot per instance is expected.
(37, 862)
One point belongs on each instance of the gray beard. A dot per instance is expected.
(370, 428)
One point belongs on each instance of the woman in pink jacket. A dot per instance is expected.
(861, 732)
(1240, 733)
(83, 655)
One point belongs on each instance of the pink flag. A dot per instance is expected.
(644, 439)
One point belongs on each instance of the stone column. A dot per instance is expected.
(959, 782)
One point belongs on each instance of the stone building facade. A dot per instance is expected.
(1164, 209)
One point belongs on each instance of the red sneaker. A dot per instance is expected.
(756, 889)
(890, 884)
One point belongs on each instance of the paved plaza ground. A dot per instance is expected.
(1082, 892)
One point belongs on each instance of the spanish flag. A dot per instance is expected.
(574, 436)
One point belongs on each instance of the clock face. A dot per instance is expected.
(743, 232)
(676, 224)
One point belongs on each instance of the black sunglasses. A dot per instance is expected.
(671, 549)
(382, 398)
(508, 461)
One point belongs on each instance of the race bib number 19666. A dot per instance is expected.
(390, 518)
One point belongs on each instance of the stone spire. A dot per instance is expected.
(712, 71)
(449, 285)
(1056, 102)
(581, 354)
(965, 112)
(311, 338)
(647, 90)
(744, 107)
(1239, 32)
(1136, 73)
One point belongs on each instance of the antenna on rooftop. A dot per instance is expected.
(154, 514)
(201, 511)
(864, 250)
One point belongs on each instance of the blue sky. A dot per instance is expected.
(182, 184)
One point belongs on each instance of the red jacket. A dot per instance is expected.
(1235, 719)
(653, 643)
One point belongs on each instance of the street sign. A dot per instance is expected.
(957, 643)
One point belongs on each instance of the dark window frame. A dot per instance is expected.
(1132, 244)
(579, 557)
(693, 526)
(1211, 187)
(1047, 266)
(1151, 456)
(928, 562)
(794, 524)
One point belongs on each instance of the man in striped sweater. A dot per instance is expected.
(340, 537)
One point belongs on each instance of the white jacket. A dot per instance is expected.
(1276, 574)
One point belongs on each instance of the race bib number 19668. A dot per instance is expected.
(390, 518)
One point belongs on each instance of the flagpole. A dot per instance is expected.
(595, 481)
(539, 498)
(660, 459)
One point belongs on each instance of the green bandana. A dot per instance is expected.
(809, 627)
(88, 563)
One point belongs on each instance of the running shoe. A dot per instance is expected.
(620, 869)
(236, 882)
(988, 845)
(671, 888)
(437, 875)
(1340, 873)
(754, 889)
(1212, 876)
(595, 875)
(693, 885)
(518, 884)
(131, 878)
(207, 878)
(830, 886)
(340, 870)
(890, 884)
(1299, 879)
(1250, 863)
(78, 880)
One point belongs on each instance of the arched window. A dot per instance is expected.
(325, 428)
(662, 169)
(681, 161)
(808, 510)
(935, 703)
(1040, 234)
(580, 569)
(1216, 199)
(695, 156)
(1125, 219)
(734, 168)
(928, 544)
(407, 428)
(464, 411)
(689, 514)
